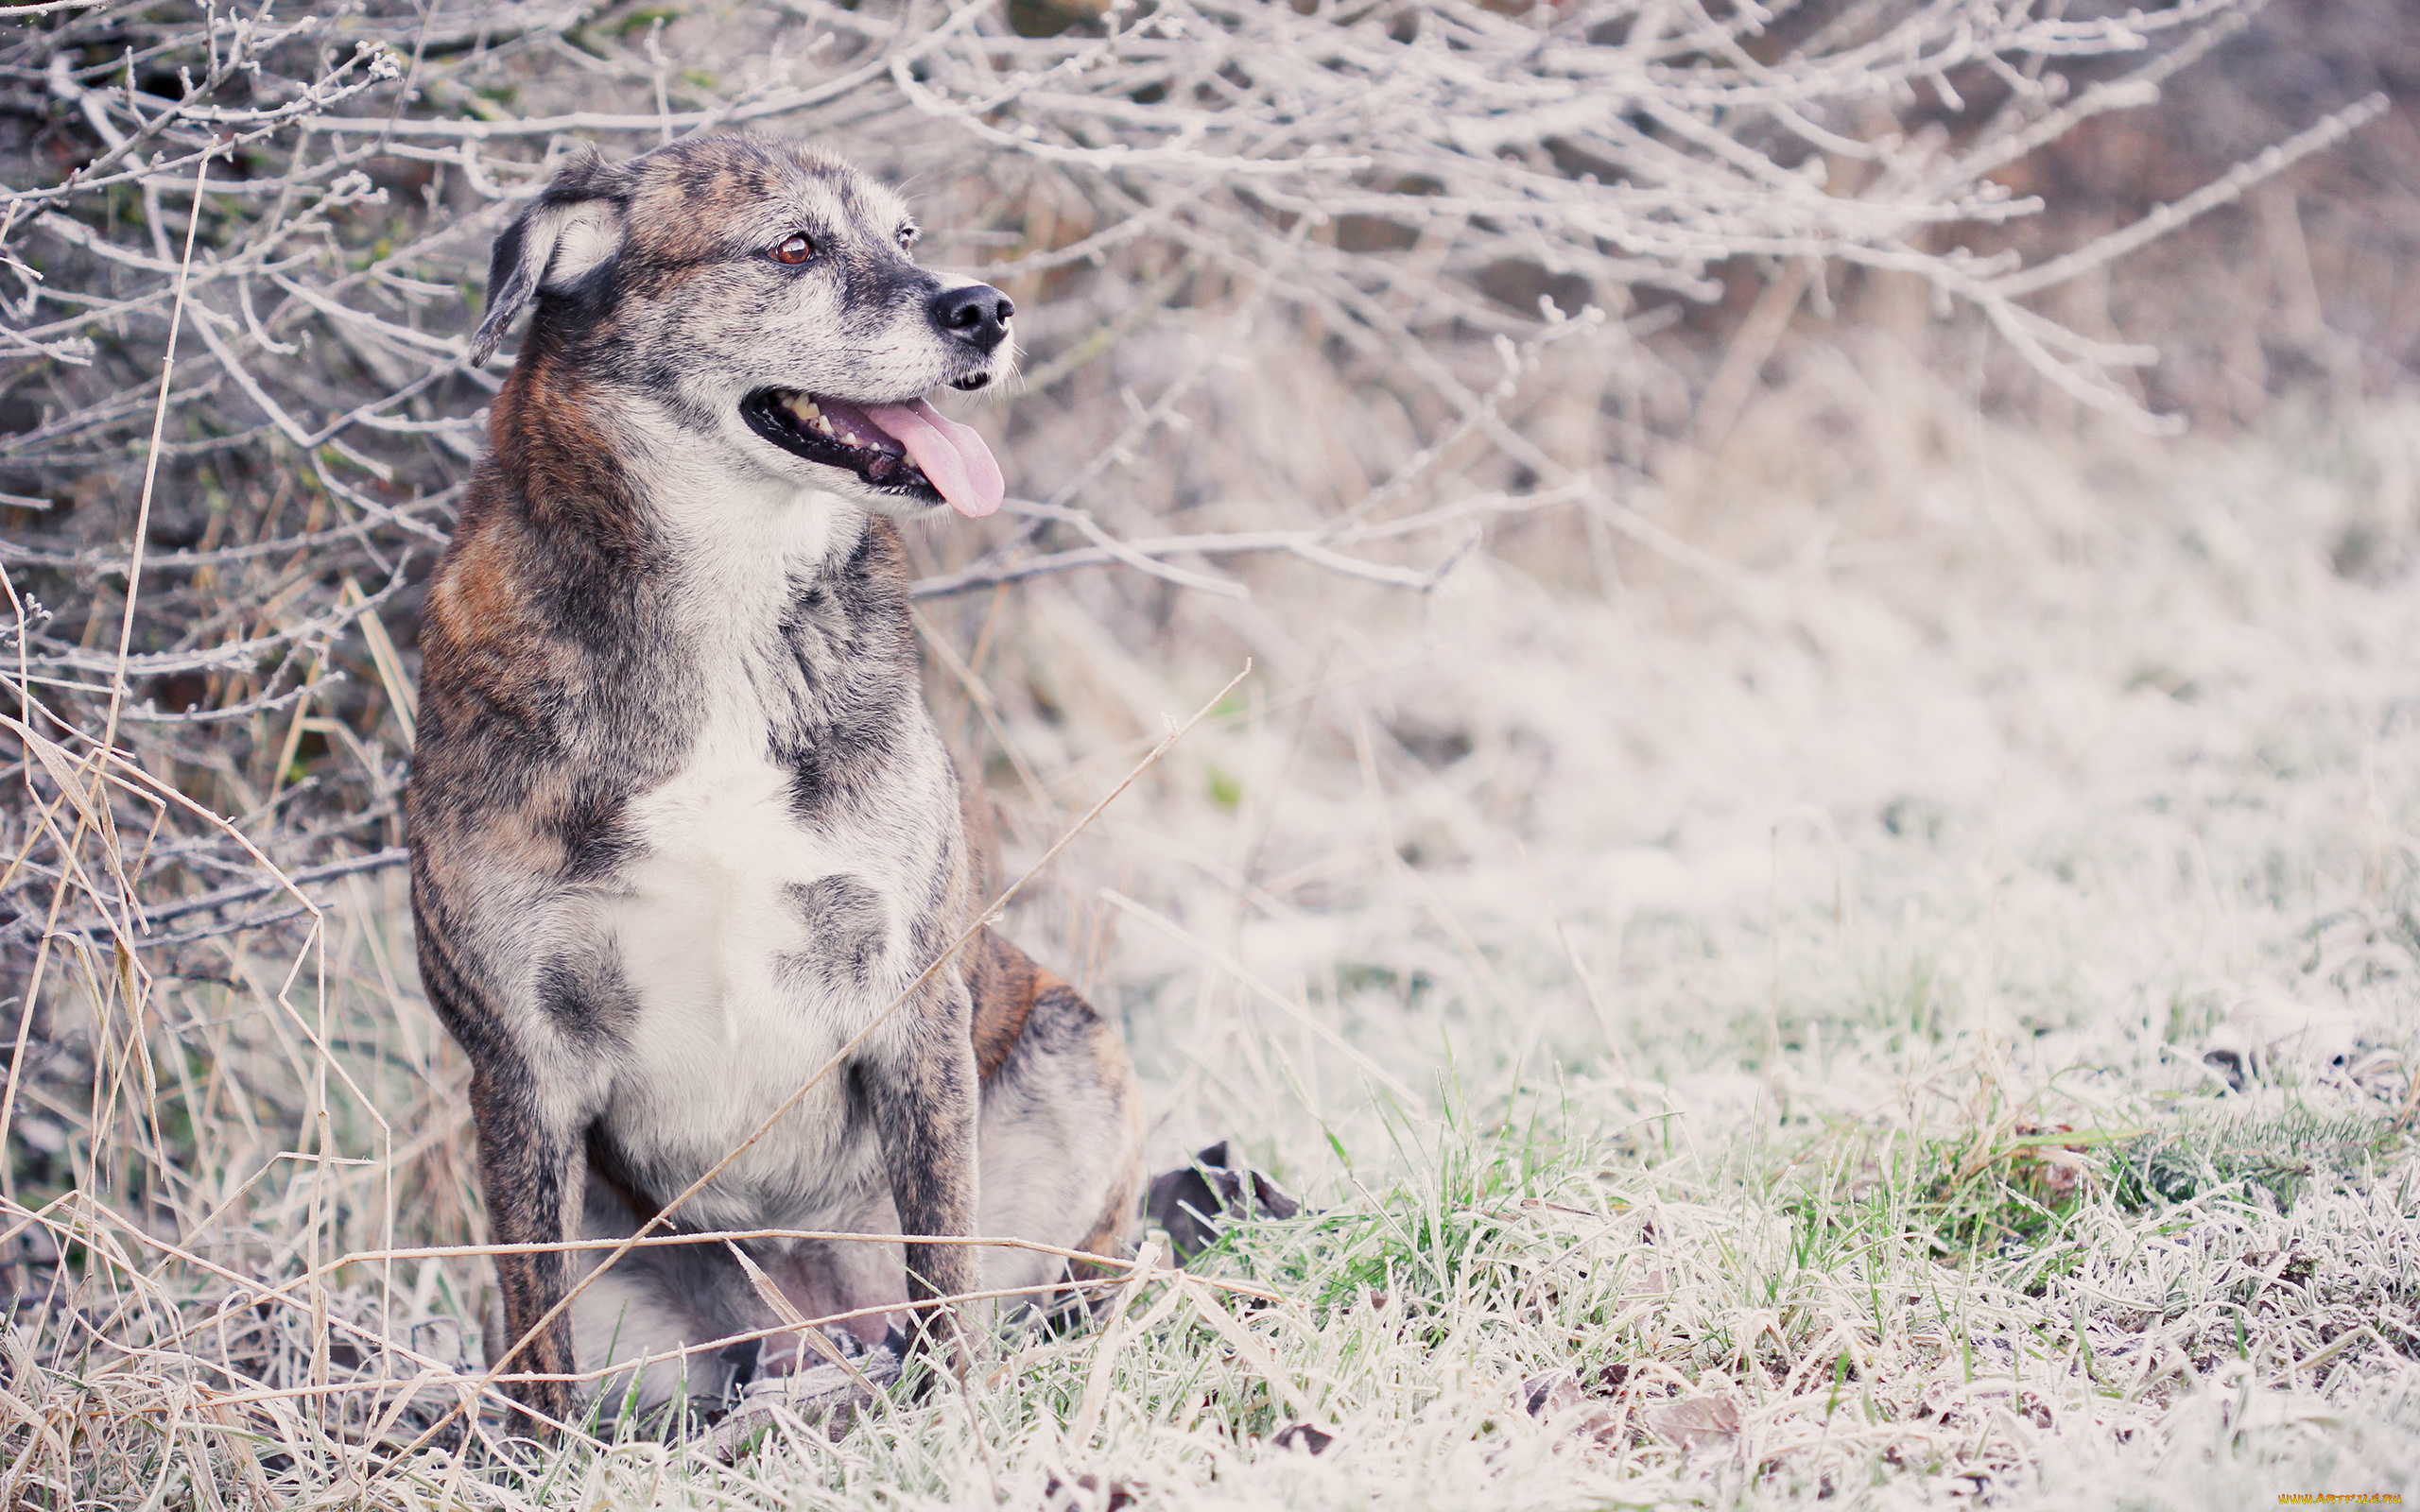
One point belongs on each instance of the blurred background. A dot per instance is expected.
(1777, 545)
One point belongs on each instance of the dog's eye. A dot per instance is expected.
(796, 249)
(908, 235)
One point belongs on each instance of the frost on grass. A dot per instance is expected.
(1912, 889)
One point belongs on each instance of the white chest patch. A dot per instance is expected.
(756, 941)
(755, 945)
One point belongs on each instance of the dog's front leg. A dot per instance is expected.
(532, 1168)
(925, 1110)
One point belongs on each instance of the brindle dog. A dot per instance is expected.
(681, 825)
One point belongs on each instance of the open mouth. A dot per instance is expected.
(909, 450)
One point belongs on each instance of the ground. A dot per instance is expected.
(1741, 1032)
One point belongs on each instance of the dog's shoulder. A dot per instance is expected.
(549, 683)
(551, 577)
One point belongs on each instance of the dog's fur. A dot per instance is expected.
(680, 824)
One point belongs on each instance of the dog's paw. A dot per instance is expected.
(816, 1389)
(829, 1395)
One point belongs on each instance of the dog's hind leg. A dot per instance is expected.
(659, 1305)
(1061, 1132)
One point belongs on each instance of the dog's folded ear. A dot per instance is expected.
(576, 223)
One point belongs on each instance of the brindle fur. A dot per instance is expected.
(680, 824)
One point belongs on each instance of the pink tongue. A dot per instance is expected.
(950, 455)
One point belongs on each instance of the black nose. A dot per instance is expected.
(977, 314)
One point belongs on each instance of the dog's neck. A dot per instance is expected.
(742, 541)
(749, 611)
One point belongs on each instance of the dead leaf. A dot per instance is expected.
(1701, 1422)
(1558, 1396)
(1544, 1395)
(1086, 1495)
(1303, 1435)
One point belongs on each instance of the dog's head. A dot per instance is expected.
(762, 294)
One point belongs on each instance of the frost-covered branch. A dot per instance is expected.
(1451, 208)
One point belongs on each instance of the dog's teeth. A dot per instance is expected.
(808, 408)
(820, 424)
